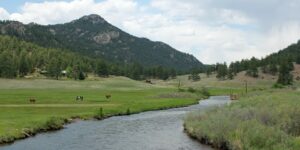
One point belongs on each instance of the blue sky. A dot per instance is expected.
(15, 5)
(212, 30)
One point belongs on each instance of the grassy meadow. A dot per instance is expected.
(263, 118)
(268, 119)
(55, 102)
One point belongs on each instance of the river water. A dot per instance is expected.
(154, 130)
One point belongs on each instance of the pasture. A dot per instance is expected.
(55, 102)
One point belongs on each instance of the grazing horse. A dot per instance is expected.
(108, 96)
(79, 98)
(32, 100)
(149, 81)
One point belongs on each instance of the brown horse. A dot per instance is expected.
(108, 96)
(149, 81)
(32, 100)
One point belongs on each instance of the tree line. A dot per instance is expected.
(19, 58)
(277, 64)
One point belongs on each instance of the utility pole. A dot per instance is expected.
(179, 84)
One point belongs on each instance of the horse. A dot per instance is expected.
(149, 81)
(32, 100)
(108, 96)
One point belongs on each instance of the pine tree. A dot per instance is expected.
(298, 59)
(273, 69)
(81, 76)
(230, 74)
(24, 65)
(285, 77)
(221, 71)
(102, 69)
(195, 75)
(7, 66)
(264, 69)
(55, 67)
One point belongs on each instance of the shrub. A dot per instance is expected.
(191, 90)
(205, 92)
(128, 111)
(278, 86)
(181, 90)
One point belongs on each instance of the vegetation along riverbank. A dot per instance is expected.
(261, 120)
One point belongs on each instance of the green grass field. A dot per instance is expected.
(19, 117)
(267, 120)
(55, 104)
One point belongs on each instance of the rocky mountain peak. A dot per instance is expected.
(94, 18)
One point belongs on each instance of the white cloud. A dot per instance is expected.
(211, 30)
(3, 14)
(280, 36)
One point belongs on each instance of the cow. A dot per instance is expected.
(108, 96)
(32, 100)
(79, 98)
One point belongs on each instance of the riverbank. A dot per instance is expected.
(56, 123)
(56, 106)
(261, 120)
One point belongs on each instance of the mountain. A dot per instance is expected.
(292, 53)
(94, 37)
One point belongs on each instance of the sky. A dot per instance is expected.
(211, 30)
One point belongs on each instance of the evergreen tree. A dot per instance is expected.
(221, 71)
(298, 59)
(290, 65)
(81, 76)
(230, 74)
(7, 66)
(102, 69)
(273, 69)
(264, 69)
(285, 77)
(209, 70)
(54, 67)
(24, 65)
(195, 75)
(173, 73)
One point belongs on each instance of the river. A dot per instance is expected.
(154, 130)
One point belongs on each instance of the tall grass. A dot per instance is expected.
(265, 121)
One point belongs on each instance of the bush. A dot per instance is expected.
(181, 90)
(100, 113)
(128, 111)
(205, 92)
(81, 76)
(278, 86)
(191, 90)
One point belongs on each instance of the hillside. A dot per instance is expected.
(95, 37)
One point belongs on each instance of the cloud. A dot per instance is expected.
(213, 31)
(3, 14)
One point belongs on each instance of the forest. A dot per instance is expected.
(19, 58)
(277, 64)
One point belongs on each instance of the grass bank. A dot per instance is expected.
(267, 120)
(56, 105)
